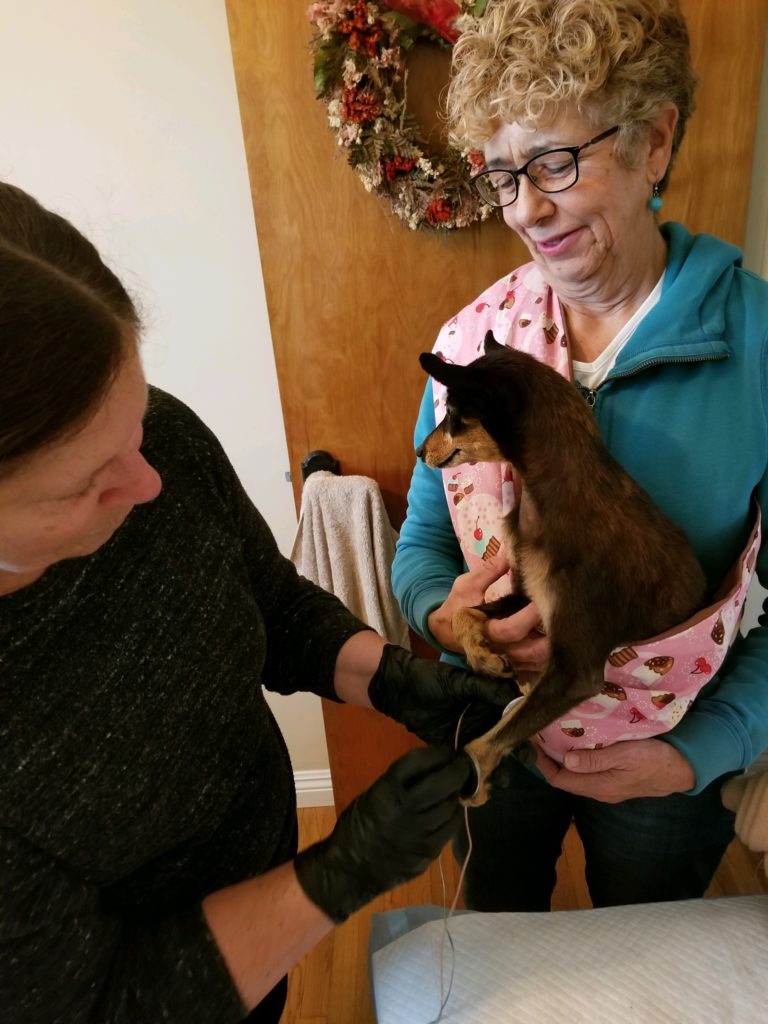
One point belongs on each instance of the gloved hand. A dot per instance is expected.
(428, 697)
(389, 834)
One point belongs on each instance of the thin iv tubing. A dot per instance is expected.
(445, 996)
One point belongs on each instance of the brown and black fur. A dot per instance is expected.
(603, 565)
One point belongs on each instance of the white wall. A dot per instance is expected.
(122, 115)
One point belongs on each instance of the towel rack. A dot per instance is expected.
(319, 460)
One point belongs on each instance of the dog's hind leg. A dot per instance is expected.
(558, 690)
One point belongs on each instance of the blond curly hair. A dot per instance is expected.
(615, 61)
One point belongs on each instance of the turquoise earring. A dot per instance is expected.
(654, 203)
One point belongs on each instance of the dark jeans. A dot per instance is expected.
(640, 851)
(270, 1009)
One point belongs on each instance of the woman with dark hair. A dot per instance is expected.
(579, 107)
(148, 867)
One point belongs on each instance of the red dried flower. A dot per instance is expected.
(361, 35)
(438, 212)
(359, 107)
(398, 165)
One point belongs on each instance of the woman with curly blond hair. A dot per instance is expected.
(579, 107)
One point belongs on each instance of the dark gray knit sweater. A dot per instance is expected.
(140, 767)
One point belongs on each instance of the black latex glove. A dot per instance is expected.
(428, 697)
(391, 833)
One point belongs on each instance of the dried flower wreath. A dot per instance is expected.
(360, 51)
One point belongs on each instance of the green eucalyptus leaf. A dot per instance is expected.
(328, 60)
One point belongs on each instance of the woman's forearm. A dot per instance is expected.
(357, 661)
(263, 926)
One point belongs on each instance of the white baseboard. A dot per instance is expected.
(313, 788)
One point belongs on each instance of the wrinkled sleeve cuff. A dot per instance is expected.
(711, 745)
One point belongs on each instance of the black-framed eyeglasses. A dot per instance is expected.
(553, 171)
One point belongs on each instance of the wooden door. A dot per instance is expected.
(354, 296)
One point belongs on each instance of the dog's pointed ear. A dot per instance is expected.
(490, 343)
(446, 373)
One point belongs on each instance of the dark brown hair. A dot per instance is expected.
(65, 320)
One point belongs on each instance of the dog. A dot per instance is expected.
(600, 561)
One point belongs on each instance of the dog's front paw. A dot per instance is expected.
(488, 663)
(469, 629)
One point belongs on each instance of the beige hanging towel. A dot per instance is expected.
(345, 543)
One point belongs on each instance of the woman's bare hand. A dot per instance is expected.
(519, 636)
(468, 590)
(634, 768)
(520, 639)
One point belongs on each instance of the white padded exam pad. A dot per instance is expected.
(691, 962)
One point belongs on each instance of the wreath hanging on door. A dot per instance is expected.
(360, 51)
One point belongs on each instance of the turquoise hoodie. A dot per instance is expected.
(684, 411)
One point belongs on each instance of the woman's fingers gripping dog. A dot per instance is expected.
(520, 638)
(468, 591)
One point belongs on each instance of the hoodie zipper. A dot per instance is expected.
(590, 394)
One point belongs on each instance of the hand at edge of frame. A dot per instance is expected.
(623, 771)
